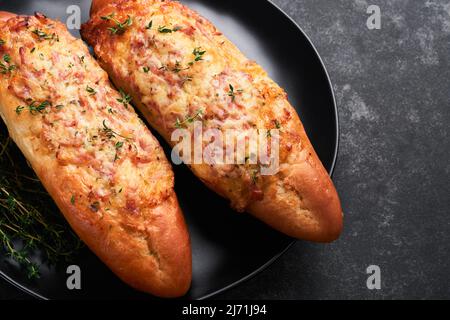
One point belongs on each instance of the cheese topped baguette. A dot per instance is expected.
(178, 68)
(99, 162)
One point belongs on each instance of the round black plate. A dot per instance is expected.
(228, 247)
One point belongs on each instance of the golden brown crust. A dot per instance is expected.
(4, 16)
(97, 5)
(101, 165)
(152, 58)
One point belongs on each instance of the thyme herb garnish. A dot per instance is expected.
(110, 133)
(34, 107)
(44, 35)
(6, 68)
(232, 92)
(120, 27)
(178, 67)
(164, 29)
(19, 109)
(198, 55)
(91, 91)
(186, 79)
(125, 98)
(189, 119)
(149, 25)
(277, 124)
(119, 144)
(30, 223)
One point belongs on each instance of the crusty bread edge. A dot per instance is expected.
(175, 248)
(322, 221)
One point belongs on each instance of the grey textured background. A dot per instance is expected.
(393, 93)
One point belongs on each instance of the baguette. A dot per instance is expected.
(173, 62)
(99, 162)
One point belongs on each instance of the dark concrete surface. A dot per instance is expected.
(393, 92)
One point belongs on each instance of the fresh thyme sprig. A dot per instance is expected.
(125, 98)
(110, 133)
(189, 119)
(91, 91)
(30, 223)
(277, 124)
(232, 93)
(120, 27)
(8, 67)
(45, 36)
(164, 29)
(34, 107)
(198, 55)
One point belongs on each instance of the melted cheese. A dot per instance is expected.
(83, 130)
(193, 67)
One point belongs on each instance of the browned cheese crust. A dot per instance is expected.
(99, 162)
(174, 63)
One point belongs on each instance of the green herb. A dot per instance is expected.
(186, 79)
(30, 222)
(91, 91)
(2, 42)
(164, 29)
(125, 98)
(32, 50)
(72, 200)
(277, 124)
(149, 25)
(232, 92)
(19, 109)
(4, 69)
(110, 133)
(146, 69)
(189, 119)
(178, 68)
(198, 54)
(38, 108)
(120, 27)
(119, 144)
(269, 133)
(59, 106)
(45, 36)
(34, 107)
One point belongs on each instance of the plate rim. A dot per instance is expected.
(263, 267)
(331, 171)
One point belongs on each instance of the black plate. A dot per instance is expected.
(228, 247)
